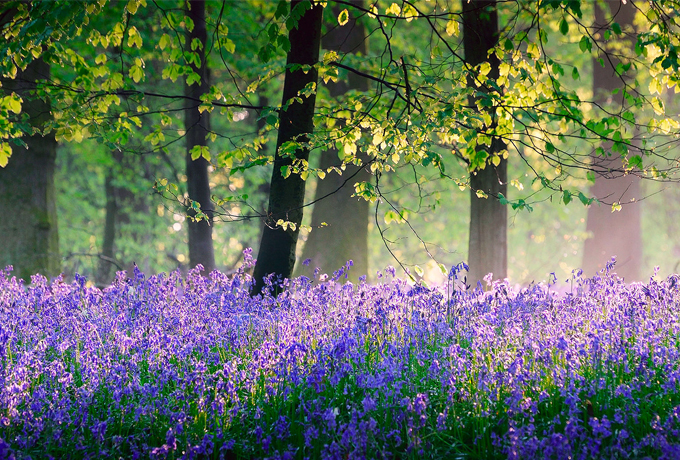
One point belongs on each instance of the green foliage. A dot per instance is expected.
(114, 85)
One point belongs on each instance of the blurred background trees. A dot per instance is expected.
(556, 109)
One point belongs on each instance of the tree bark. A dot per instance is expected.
(108, 243)
(28, 225)
(613, 233)
(487, 250)
(346, 216)
(197, 126)
(276, 255)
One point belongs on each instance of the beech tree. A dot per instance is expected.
(197, 125)
(27, 201)
(613, 233)
(430, 103)
(488, 217)
(340, 220)
(276, 256)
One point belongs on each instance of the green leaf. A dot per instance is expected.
(635, 161)
(281, 9)
(393, 10)
(584, 199)
(229, 45)
(133, 5)
(574, 74)
(566, 196)
(616, 28)
(585, 44)
(502, 199)
(628, 116)
(136, 73)
(195, 152)
(452, 28)
(164, 41)
(343, 17)
(14, 103)
(419, 271)
(5, 153)
(564, 26)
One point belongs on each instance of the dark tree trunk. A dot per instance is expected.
(197, 126)
(346, 216)
(30, 241)
(613, 233)
(108, 243)
(277, 249)
(487, 250)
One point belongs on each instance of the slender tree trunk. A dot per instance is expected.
(197, 125)
(613, 233)
(346, 216)
(30, 240)
(487, 251)
(277, 249)
(108, 243)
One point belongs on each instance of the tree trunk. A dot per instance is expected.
(28, 224)
(108, 243)
(487, 250)
(276, 255)
(613, 233)
(197, 126)
(346, 216)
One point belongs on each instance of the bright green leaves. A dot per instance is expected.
(198, 151)
(658, 106)
(393, 216)
(453, 28)
(155, 137)
(635, 162)
(308, 90)
(366, 190)
(10, 107)
(327, 70)
(393, 10)
(133, 5)
(71, 133)
(11, 103)
(165, 41)
(5, 153)
(343, 17)
(284, 224)
(134, 38)
(585, 45)
(136, 71)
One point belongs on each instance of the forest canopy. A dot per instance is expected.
(176, 109)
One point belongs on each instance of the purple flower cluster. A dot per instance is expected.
(166, 367)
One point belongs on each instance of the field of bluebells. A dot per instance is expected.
(166, 367)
